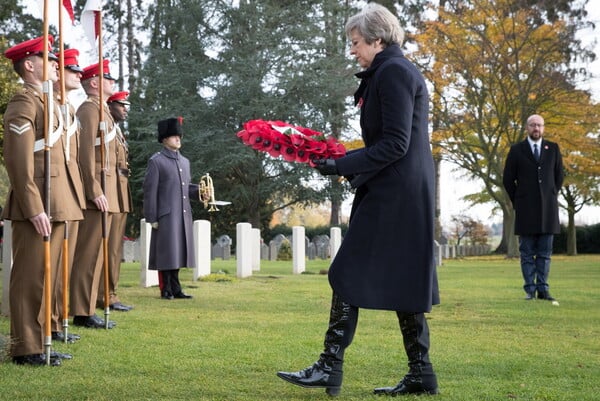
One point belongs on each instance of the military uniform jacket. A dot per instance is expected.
(386, 259)
(24, 159)
(91, 162)
(122, 172)
(72, 150)
(167, 193)
(533, 187)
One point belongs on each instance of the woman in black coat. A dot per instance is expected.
(386, 260)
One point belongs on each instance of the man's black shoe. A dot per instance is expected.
(118, 306)
(545, 295)
(166, 295)
(35, 360)
(529, 297)
(60, 355)
(59, 336)
(93, 322)
(182, 295)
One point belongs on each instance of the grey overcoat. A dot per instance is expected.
(167, 193)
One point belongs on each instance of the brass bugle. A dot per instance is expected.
(207, 194)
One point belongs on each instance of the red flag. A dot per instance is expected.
(69, 9)
(90, 20)
(66, 7)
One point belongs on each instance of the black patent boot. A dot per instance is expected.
(327, 371)
(420, 378)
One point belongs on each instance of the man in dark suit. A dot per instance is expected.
(533, 175)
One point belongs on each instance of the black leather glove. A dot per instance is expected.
(326, 166)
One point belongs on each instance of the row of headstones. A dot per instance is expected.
(248, 252)
(446, 251)
(318, 247)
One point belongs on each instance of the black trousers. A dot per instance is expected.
(168, 281)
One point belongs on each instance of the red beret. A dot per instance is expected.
(30, 47)
(92, 71)
(119, 97)
(71, 60)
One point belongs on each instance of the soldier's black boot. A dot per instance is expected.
(420, 378)
(327, 371)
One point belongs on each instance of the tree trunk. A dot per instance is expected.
(509, 239)
(571, 235)
(438, 207)
(336, 207)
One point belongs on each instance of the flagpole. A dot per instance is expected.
(47, 262)
(66, 118)
(103, 129)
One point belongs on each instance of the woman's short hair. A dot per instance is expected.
(376, 22)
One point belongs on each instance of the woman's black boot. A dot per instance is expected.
(327, 371)
(420, 378)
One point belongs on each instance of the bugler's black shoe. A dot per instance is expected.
(182, 295)
(167, 295)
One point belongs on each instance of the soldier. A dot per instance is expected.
(88, 259)
(119, 107)
(24, 156)
(72, 80)
(167, 194)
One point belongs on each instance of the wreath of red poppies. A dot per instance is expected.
(293, 143)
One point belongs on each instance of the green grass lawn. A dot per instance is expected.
(488, 343)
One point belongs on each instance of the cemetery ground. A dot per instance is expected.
(488, 343)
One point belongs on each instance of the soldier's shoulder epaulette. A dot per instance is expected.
(154, 156)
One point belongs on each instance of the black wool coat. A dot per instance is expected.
(533, 187)
(386, 259)
(167, 193)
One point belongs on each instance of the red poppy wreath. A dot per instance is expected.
(293, 143)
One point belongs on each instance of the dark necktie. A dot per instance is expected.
(536, 152)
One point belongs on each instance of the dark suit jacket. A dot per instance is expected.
(386, 258)
(533, 187)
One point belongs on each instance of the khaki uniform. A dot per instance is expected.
(88, 260)
(72, 161)
(24, 158)
(118, 222)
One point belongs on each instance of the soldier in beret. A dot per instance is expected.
(167, 193)
(72, 81)
(88, 259)
(119, 107)
(24, 157)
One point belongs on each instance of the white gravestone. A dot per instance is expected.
(148, 278)
(256, 248)
(298, 249)
(243, 249)
(202, 248)
(336, 240)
